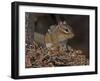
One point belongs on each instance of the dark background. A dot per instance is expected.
(40, 22)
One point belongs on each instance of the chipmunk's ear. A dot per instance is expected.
(60, 23)
(64, 22)
(49, 30)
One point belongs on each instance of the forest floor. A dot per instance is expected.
(37, 56)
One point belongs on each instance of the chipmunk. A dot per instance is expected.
(56, 36)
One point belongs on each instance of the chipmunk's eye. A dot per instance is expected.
(66, 30)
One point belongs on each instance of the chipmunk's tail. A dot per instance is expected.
(39, 38)
(44, 40)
